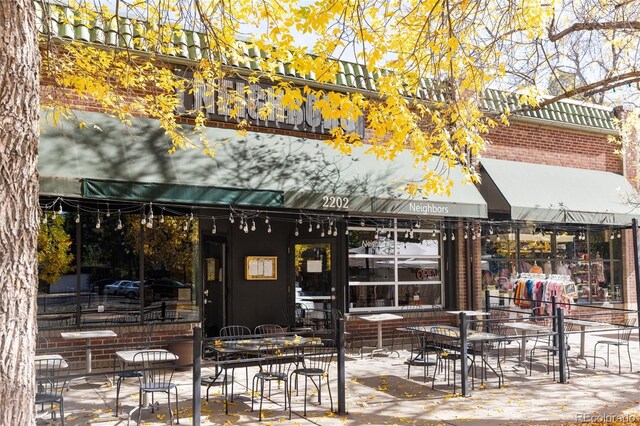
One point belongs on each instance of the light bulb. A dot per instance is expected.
(329, 231)
(375, 236)
(109, 213)
(44, 219)
(346, 231)
(98, 224)
(77, 218)
(253, 225)
(612, 236)
(231, 219)
(318, 225)
(119, 225)
(191, 216)
(266, 220)
(444, 236)
(490, 230)
(619, 235)
(245, 228)
(310, 227)
(331, 223)
(185, 227)
(268, 228)
(296, 232)
(411, 234)
(322, 233)
(473, 236)
(417, 226)
(388, 235)
(362, 222)
(162, 218)
(453, 236)
(498, 238)
(214, 229)
(143, 220)
(60, 209)
(150, 224)
(241, 227)
(406, 234)
(335, 230)
(53, 214)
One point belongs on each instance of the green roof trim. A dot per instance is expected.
(188, 45)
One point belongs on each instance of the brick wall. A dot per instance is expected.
(555, 146)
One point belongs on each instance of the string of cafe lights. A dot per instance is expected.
(249, 220)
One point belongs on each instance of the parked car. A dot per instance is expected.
(131, 289)
(164, 288)
(114, 288)
(99, 285)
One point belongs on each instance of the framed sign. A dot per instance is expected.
(261, 268)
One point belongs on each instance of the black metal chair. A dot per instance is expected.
(551, 348)
(412, 315)
(623, 335)
(157, 377)
(274, 365)
(315, 366)
(230, 332)
(446, 342)
(421, 347)
(268, 329)
(52, 376)
(134, 340)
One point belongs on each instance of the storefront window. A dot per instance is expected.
(107, 287)
(170, 260)
(590, 258)
(403, 262)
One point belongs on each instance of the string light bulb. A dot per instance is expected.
(346, 231)
(231, 219)
(161, 215)
(318, 225)
(619, 234)
(490, 229)
(296, 232)
(388, 235)
(453, 235)
(245, 228)
(241, 227)
(191, 217)
(253, 225)
(362, 222)
(329, 231)
(444, 236)
(214, 229)
(78, 216)
(60, 209)
(266, 220)
(335, 230)
(98, 221)
(44, 218)
(322, 232)
(185, 226)
(300, 220)
(310, 227)
(268, 228)
(119, 224)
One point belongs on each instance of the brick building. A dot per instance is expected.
(278, 221)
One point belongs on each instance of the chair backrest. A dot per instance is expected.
(444, 338)
(275, 359)
(235, 330)
(157, 365)
(319, 356)
(51, 378)
(268, 329)
(292, 315)
(624, 333)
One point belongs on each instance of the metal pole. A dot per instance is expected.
(487, 308)
(636, 264)
(342, 401)
(463, 354)
(197, 359)
(554, 312)
(562, 353)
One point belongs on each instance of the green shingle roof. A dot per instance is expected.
(185, 45)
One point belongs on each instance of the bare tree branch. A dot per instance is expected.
(594, 26)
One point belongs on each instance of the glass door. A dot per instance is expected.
(314, 283)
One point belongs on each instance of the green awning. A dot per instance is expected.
(543, 193)
(258, 169)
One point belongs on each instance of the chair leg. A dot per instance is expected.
(62, 409)
(139, 406)
(169, 405)
(630, 363)
(329, 389)
(177, 408)
(305, 395)
(118, 384)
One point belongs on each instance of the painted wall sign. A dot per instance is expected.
(234, 100)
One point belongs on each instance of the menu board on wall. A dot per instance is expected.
(261, 268)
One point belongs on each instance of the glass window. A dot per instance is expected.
(57, 278)
(170, 262)
(498, 258)
(407, 258)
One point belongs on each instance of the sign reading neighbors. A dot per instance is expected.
(234, 100)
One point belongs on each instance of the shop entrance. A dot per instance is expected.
(214, 291)
(314, 286)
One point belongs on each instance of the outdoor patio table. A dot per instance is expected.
(469, 313)
(524, 328)
(52, 356)
(379, 318)
(583, 327)
(88, 335)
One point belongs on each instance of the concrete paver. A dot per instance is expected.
(379, 393)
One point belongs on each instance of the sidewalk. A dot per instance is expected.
(379, 393)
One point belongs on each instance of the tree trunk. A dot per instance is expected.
(19, 110)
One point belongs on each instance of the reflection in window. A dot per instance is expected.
(170, 260)
(406, 263)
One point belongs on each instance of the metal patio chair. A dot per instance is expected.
(52, 376)
(623, 335)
